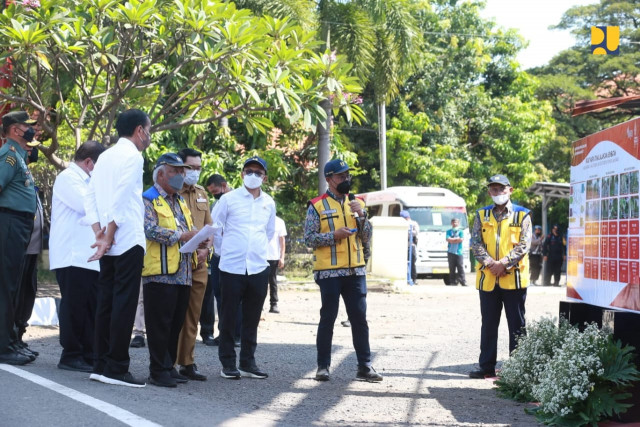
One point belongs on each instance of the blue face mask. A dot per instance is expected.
(176, 182)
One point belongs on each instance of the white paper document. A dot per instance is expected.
(202, 235)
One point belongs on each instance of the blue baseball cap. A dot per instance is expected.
(537, 227)
(257, 160)
(171, 159)
(499, 179)
(405, 214)
(335, 166)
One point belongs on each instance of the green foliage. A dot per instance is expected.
(578, 377)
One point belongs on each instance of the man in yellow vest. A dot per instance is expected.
(167, 274)
(336, 228)
(500, 239)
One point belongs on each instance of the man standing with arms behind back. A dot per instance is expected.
(196, 199)
(114, 208)
(17, 210)
(500, 241)
(455, 254)
(337, 228)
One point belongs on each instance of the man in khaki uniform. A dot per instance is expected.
(196, 198)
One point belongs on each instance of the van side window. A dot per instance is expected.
(374, 210)
(394, 210)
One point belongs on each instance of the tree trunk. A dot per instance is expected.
(324, 133)
(382, 138)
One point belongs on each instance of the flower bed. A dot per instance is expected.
(577, 377)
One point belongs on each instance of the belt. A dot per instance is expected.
(16, 213)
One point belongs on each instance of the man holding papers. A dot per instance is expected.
(167, 273)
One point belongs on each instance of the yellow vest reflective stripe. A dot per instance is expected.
(499, 239)
(346, 253)
(162, 259)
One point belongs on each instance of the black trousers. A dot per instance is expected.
(491, 309)
(273, 281)
(15, 232)
(27, 294)
(118, 291)
(554, 268)
(251, 290)
(456, 269)
(535, 266)
(211, 296)
(164, 309)
(77, 313)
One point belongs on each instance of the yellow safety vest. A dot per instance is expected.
(346, 253)
(162, 259)
(499, 239)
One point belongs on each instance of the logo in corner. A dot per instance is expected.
(605, 40)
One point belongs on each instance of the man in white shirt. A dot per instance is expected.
(114, 208)
(275, 256)
(69, 248)
(247, 216)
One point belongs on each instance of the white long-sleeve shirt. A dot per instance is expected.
(115, 194)
(70, 239)
(247, 225)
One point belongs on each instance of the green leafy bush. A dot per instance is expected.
(578, 377)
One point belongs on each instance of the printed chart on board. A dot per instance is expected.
(603, 259)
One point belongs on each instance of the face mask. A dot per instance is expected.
(176, 182)
(344, 187)
(29, 134)
(252, 182)
(192, 177)
(217, 196)
(501, 199)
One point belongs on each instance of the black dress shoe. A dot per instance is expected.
(480, 374)
(14, 358)
(209, 340)
(162, 381)
(75, 365)
(24, 352)
(24, 345)
(191, 372)
(180, 379)
(137, 342)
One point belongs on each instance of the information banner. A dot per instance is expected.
(603, 259)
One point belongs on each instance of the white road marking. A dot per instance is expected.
(113, 411)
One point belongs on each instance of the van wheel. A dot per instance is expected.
(446, 280)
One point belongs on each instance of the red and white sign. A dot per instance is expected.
(604, 217)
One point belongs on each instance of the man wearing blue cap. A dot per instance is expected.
(500, 241)
(167, 274)
(337, 229)
(245, 218)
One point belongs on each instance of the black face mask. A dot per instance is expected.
(344, 187)
(217, 196)
(33, 157)
(29, 134)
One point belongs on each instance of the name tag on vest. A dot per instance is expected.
(329, 211)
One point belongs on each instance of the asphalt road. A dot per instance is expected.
(425, 339)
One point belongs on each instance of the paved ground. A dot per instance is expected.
(425, 339)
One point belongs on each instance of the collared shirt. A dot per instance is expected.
(274, 251)
(17, 190)
(115, 194)
(455, 248)
(168, 237)
(536, 244)
(519, 250)
(195, 197)
(70, 239)
(313, 238)
(246, 226)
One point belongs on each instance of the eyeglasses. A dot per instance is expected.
(255, 173)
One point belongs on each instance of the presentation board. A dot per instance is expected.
(603, 244)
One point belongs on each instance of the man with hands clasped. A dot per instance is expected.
(500, 239)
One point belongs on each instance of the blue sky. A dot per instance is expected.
(532, 18)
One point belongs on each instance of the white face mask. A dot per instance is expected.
(191, 177)
(501, 199)
(252, 182)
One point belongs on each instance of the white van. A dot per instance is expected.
(432, 208)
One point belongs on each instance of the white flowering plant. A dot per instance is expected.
(578, 377)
